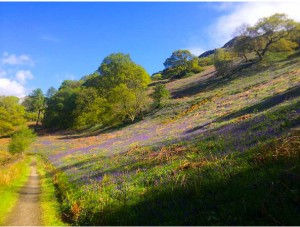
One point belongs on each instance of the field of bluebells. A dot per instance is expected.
(214, 155)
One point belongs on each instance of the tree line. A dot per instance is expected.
(116, 93)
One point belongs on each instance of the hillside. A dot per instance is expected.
(204, 158)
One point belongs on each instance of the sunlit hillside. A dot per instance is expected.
(203, 158)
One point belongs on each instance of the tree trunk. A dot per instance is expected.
(259, 55)
(244, 54)
(38, 118)
(266, 47)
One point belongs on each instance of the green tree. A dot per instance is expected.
(124, 103)
(180, 63)
(160, 95)
(116, 92)
(206, 61)
(36, 102)
(11, 114)
(50, 92)
(223, 62)
(118, 73)
(156, 77)
(117, 69)
(91, 109)
(266, 32)
(193, 66)
(70, 84)
(178, 58)
(60, 108)
(283, 45)
(295, 35)
(21, 140)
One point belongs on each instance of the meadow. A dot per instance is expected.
(220, 152)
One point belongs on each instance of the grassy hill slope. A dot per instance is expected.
(219, 152)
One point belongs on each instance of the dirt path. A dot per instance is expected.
(27, 211)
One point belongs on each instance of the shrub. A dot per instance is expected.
(160, 93)
(174, 72)
(223, 61)
(21, 140)
(156, 77)
(193, 66)
(206, 61)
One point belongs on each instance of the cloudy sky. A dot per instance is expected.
(44, 43)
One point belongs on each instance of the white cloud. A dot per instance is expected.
(12, 59)
(14, 74)
(11, 87)
(23, 75)
(248, 12)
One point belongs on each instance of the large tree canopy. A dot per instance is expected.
(180, 63)
(264, 33)
(178, 58)
(117, 69)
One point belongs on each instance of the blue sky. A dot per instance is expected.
(42, 44)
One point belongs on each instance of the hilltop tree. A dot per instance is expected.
(242, 42)
(264, 33)
(180, 63)
(178, 58)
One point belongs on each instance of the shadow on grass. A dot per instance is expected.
(241, 193)
(85, 133)
(214, 81)
(266, 104)
(260, 107)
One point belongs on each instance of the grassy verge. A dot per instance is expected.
(12, 176)
(51, 213)
(257, 187)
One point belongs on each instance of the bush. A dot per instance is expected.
(174, 72)
(156, 77)
(223, 62)
(206, 61)
(193, 66)
(160, 94)
(21, 140)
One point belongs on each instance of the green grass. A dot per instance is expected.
(257, 187)
(13, 177)
(243, 170)
(51, 213)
